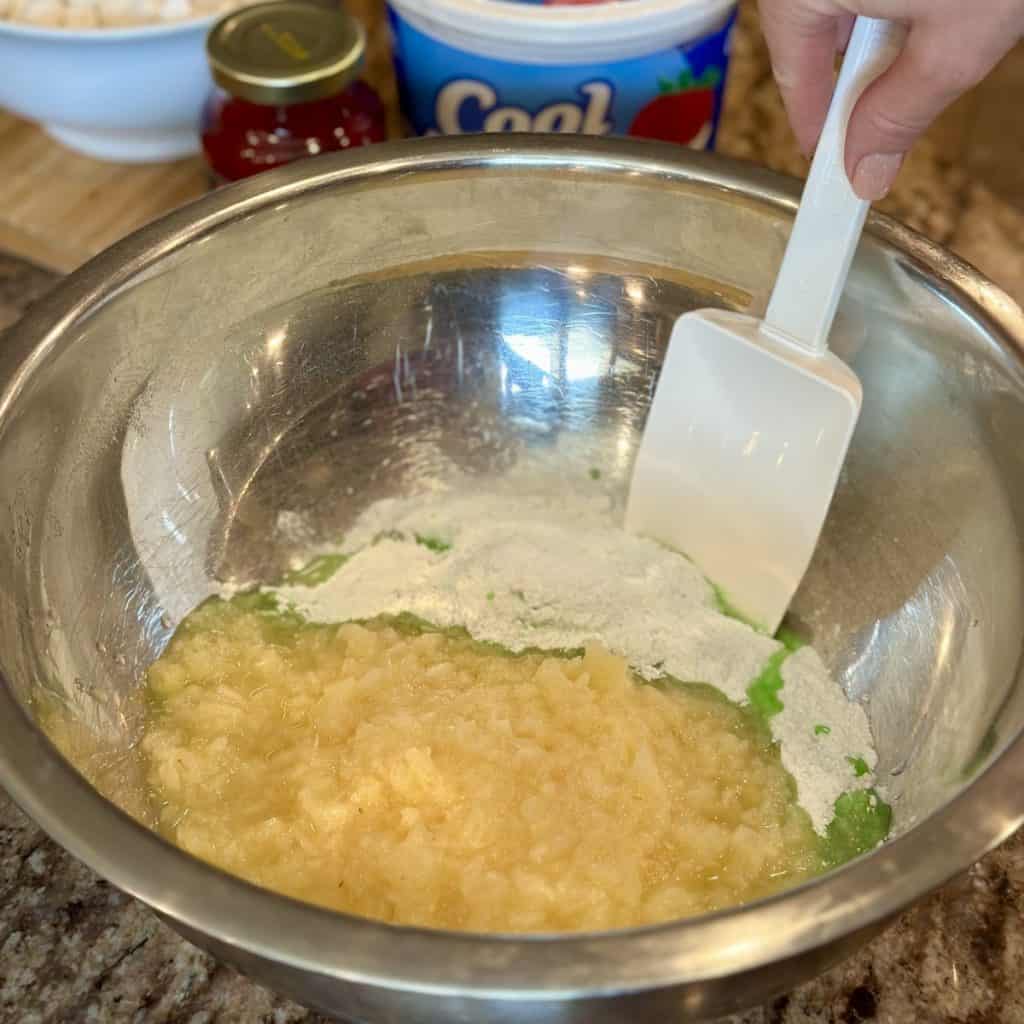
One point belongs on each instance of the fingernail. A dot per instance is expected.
(874, 175)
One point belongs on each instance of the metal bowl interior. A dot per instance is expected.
(374, 325)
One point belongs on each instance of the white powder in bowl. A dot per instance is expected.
(556, 572)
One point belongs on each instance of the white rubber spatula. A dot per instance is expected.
(751, 419)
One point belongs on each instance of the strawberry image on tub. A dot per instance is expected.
(648, 68)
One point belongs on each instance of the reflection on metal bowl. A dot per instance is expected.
(367, 326)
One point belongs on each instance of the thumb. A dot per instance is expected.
(934, 67)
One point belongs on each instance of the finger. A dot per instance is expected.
(802, 44)
(935, 67)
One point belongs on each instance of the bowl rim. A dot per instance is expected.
(206, 901)
(105, 34)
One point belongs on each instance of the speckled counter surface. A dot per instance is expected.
(72, 948)
(934, 193)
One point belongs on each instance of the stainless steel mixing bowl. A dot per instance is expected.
(368, 326)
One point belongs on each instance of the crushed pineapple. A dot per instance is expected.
(423, 779)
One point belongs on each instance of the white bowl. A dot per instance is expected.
(124, 94)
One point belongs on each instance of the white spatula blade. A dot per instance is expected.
(739, 461)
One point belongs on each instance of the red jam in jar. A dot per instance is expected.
(288, 82)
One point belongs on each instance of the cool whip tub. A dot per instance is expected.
(651, 68)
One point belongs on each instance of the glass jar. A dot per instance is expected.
(288, 88)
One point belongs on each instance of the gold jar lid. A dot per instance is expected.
(286, 51)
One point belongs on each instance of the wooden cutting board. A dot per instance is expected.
(58, 208)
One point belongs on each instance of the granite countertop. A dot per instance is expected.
(73, 948)
(935, 192)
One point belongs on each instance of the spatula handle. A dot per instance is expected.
(831, 215)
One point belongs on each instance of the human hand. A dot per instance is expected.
(951, 45)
